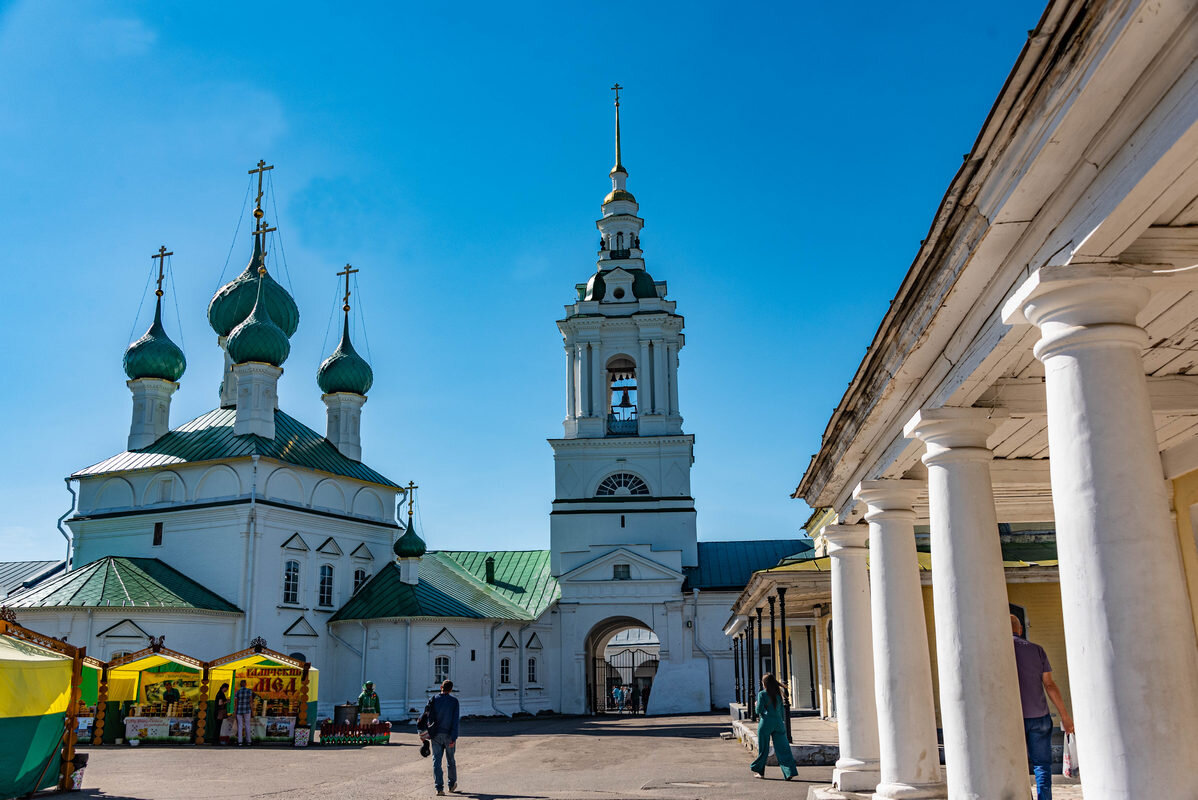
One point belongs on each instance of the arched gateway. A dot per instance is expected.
(623, 653)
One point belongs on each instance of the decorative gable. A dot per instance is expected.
(329, 547)
(443, 639)
(621, 564)
(362, 552)
(534, 642)
(125, 629)
(301, 627)
(508, 641)
(296, 542)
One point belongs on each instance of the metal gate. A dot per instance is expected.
(633, 670)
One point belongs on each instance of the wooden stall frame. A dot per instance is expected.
(10, 627)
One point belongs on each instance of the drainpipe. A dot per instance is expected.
(523, 666)
(363, 624)
(703, 650)
(62, 530)
(407, 664)
(494, 687)
(253, 547)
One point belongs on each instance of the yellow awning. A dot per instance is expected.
(34, 681)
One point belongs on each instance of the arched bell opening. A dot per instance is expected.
(621, 396)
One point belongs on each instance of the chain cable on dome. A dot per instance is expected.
(220, 281)
(360, 320)
(141, 303)
(278, 237)
(170, 273)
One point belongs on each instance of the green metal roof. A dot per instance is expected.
(454, 585)
(522, 577)
(210, 437)
(116, 582)
(729, 565)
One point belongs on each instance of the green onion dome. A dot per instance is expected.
(258, 338)
(345, 370)
(409, 545)
(154, 355)
(232, 302)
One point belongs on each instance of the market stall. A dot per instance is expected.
(162, 695)
(39, 694)
(285, 691)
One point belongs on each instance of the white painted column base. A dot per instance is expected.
(257, 398)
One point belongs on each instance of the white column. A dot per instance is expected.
(983, 724)
(910, 755)
(571, 397)
(853, 660)
(644, 392)
(151, 410)
(598, 384)
(257, 398)
(1129, 631)
(659, 377)
(344, 422)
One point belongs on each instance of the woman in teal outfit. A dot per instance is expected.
(771, 724)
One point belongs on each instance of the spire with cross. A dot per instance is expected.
(346, 272)
(260, 226)
(161, 256)
(619, 167)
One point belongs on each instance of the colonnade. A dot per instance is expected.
(1130, 635)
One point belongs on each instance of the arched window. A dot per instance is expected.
(326, 584)
(505, 670)
(620, 240)
(291, 575)
(440, 669)
(360, 578)
(621, 483)
(532, 670)
(298, 656)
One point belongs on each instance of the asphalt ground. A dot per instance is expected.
(550, 758)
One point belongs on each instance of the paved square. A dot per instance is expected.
(534, 759)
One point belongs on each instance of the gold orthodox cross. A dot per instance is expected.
(617, 89)
(261, 170)
(412, 487)
(161, 256)
(346, 272)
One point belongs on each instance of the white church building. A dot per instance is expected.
(245, 523)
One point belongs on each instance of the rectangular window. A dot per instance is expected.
(505, 670)
(621, 572)
(326, 585)
(291, 582)
(440, 669)
(359, 579)
(157, 534)
(532, 670)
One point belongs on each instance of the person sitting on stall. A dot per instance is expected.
(170, 696)
(368, 704)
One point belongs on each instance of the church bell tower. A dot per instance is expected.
(623, 464)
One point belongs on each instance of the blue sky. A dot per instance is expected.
(788, 158)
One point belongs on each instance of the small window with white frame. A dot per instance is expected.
(440, 669)
(532, 670)
(621, 572)
(326, 585)
(505, 670)
(360, 578)
(291, 579)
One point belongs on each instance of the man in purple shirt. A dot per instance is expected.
(1035, 678)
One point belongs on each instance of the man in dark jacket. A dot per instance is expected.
(443, 719)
